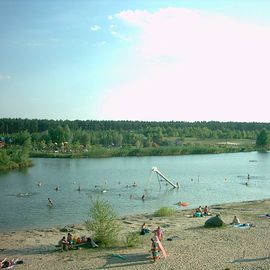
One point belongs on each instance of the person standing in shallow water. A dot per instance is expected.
(50, 202)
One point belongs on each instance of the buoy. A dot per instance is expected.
(182, 204)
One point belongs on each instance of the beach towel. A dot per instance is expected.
(243, 225)
(265, 216)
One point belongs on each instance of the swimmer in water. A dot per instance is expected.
(143, 197)
(50, 201)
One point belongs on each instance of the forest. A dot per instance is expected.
(21, 138)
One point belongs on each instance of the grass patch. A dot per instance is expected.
(132, 239)
(164, 212)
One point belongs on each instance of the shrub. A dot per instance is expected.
(214, 222)
(103, 223)
(164, 212)
(132, 239)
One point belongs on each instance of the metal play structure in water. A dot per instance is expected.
(157, 171)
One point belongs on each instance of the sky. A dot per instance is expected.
(147, 60)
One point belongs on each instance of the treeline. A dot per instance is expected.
(47, 133)
(65, 138)
(13, 125)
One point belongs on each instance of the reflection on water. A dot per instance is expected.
(71, 184)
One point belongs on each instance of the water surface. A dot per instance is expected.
(204, 180)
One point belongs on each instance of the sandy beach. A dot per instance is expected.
(192, 245)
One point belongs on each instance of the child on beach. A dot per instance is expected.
(155, 248)
(159, 233)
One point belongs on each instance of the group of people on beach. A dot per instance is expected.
(200, 212)
(71, 242)
(156, 245)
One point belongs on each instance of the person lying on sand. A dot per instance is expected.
(5, 263)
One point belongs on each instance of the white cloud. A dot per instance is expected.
(4, 77)
(101, 44)
(196, 66)
(121, 37)
(95, 28)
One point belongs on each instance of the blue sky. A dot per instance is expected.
(135, 60)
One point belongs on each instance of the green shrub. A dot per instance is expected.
(103, 223)
(164, 212)
(132, 239)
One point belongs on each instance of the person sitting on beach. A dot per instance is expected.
(144, 229)
(206, 211)
(69, 240)
(91, 242)
(198, 212)
(235, 220)
(63, 243)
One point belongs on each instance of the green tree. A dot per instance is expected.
(103, 223)
(262, 139)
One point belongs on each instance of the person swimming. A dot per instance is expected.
(50, 202)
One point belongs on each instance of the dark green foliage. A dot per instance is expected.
(58, 138)
(214, 222)
(16, 157)
(262, 139)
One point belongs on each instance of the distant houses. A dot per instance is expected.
(2, 144)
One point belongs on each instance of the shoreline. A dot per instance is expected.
(194, 248)
(126, 216)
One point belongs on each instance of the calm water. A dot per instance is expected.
(204, 180)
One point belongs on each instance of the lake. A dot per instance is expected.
(203, 179)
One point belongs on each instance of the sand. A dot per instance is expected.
(194, 247)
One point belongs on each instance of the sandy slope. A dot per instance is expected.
(196, 247)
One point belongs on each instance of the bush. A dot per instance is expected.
(214, 222)
(132, 239)
(103, 223)
(164, 212)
